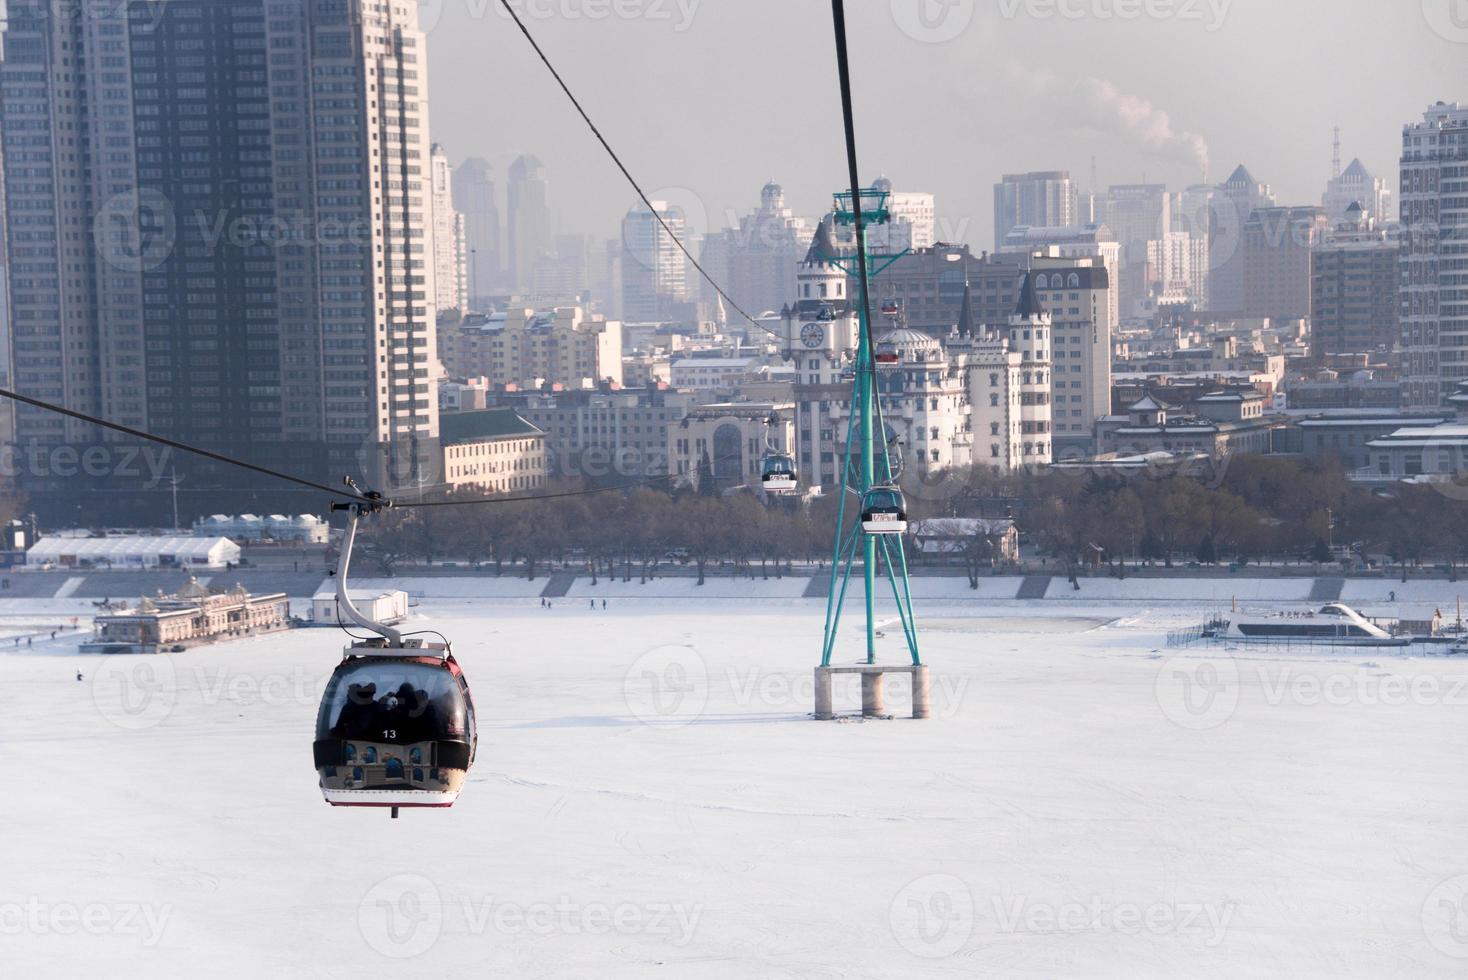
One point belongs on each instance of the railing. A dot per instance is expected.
(1185, 638)
(1195, 635)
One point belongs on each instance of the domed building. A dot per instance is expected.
(924, 400)
(911, 347)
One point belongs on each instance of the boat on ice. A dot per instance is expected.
(1332, 624)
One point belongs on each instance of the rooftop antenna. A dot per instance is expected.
(1335, 160)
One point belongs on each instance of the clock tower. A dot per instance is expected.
(821, 320)
(820, 332)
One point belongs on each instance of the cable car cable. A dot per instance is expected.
(431, 633)
(628, 174)
(843, 70)
(357, 496)
(171, 443)
(343, 627)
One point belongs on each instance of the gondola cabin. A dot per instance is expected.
(396, 727)
(884, 511)
(887, 355)
(777, 473)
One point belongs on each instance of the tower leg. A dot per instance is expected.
(873, 699)
(920, 687)
(869, 559)
(823, 695)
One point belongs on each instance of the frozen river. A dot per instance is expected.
(651, 799)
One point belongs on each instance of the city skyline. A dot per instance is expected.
(1140, 259)
(718, 145)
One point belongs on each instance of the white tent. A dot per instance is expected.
(304, 528)
(135, 551)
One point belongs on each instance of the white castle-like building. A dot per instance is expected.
(979, 396)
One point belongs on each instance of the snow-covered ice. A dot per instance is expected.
(651, 799)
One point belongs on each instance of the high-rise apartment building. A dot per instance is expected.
(912, 221)
(1090, 241)
(1192, 215)
(1232, 204)
(529, 219)
(756, 262)
(654, 268)
(450, 270)
(1043, 199)
(1074, 294)
(561, 277)
(1137, 214)
(1357, 185)
(1355, 296)
(1434, 261)
(1277, 247)
(525, 348)
(474, 195)
(219, 227)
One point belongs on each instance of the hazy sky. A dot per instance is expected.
(707, 99)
